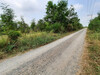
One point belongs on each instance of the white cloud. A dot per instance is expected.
(31, 9)
(28, 8)
(85, 19)
(78, 6)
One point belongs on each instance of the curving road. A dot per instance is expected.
(61, 57)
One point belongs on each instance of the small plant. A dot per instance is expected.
(13, 35)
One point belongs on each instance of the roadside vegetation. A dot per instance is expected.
(25, 42)
(18, 36)
(91, 61)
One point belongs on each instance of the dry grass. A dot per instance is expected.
(3, 40)
(90, 64)
(26, 42)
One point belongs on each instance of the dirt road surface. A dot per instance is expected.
(61, 57)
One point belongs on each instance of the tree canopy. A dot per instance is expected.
(95, 24)
(59, 18)
(61, 15)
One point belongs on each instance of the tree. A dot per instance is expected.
(57, 13)
(33, 24)
(67, 19)
(99, 16)
(41, 25)
(0, 26)
(49, 12)
(23, 27)
(62, 11)
(95, 24)
(73, 20)
(7, 18)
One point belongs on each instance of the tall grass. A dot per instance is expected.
(35, 40)
(92, 60)
(3, 40)
(93, 35)
(25, 42)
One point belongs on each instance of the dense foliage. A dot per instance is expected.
(58, 19)
(22, 26)
(13, 35)
(33, 24)
(59, 16)
(95, 24)
(7, 19)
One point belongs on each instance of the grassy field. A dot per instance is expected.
(26, 42)
(91, 56)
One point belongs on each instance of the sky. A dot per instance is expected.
(35, 9)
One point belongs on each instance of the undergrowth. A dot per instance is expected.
(26, 42)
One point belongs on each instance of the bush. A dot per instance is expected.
(69, 27)
(13, 35)
(48, 28)
(56, 27)
(3, 40)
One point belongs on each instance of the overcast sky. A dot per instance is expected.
(35, 9)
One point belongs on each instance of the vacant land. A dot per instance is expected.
(91, 56)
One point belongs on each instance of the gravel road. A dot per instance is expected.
(61, 57)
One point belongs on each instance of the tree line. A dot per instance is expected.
(58, 19)
(95, 24)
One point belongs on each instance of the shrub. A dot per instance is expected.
(2, 55)
(62, 29)
(3, 40)
(13, 35)
(69, 27)
(56, 27)
(48, 28)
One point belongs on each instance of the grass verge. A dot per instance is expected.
(91, 55)
(26, 42)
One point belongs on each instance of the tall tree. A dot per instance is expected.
(23, 26)
(7, 18)
(41, 25)
(49, 12)
(73, 19)
(57, 13)
(95, 24)
(33, 24)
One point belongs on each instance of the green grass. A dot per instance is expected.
(93, 61)
(26, 42)
(36, 40)
(3, 40)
